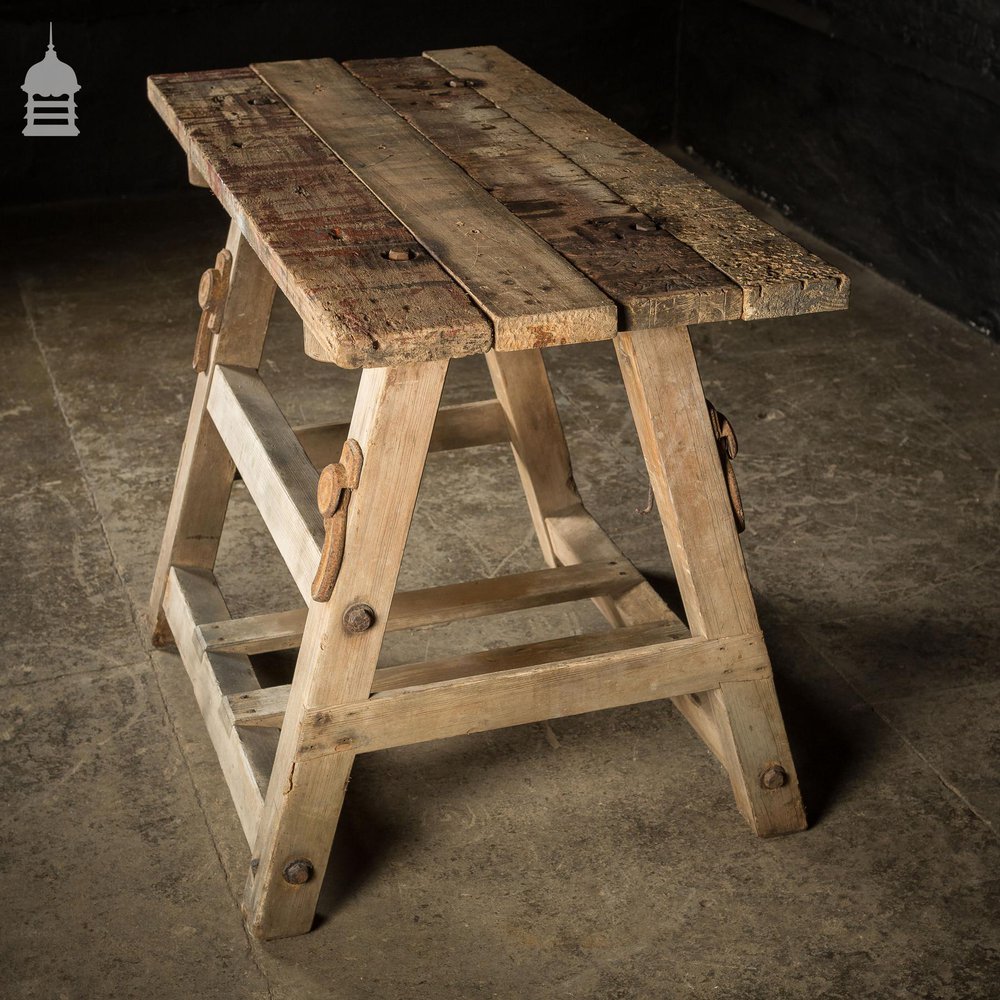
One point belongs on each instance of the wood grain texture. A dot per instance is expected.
(464, 425)
(276, 471)
(246, 758)
(778, 277)
(532, 295)
(393, 417)
(529, 694)
(320, 232)
(266, 707)
(536, 437)
(204, 477)
(434, 605)
(668, 404)
(654, 278)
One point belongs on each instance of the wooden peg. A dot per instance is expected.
(333, 494)
(725, 438)
(213, 290)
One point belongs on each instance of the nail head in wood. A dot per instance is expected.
(774, 777)
(298, 872)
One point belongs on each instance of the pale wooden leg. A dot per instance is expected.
(205, 471)
(393, 419)
(536, 437)
(668, 404)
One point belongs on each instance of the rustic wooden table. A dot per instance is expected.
(413, 211)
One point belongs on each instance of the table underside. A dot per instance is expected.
(445, 205)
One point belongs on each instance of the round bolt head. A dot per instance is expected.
(359, 618)
(774, 777)
(207, 287)
(298, 872)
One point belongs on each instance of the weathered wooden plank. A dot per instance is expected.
(393, 417)
(276, 471)
(321, 233)
(465, 425)
(532, 295)
(266, 707)
(682, 458)
(576, 536)
(528, 694)
(435, 605)
(204, 477)
(645, 269)
(245, 757)
(777, 276)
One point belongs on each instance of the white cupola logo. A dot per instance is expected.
(51, 88)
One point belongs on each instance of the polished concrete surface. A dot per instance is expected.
(595, 857)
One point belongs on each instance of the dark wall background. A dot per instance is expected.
(876, 125)
(123, 148)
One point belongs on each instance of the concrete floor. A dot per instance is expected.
(599, 857)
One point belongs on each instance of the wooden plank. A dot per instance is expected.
(531, 294)
(576, 536)
(465, 425)
(777, 276)
(320, 232)
(434, 605)
(668, 404)
(655, 279)
(273, 466)
(682, 459)
(393, 417)
(529, 694)
(245, 757)
(536, 437)
(204, 476)
(266, 707)
(566, 532)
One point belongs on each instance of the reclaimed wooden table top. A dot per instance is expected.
(449, 204)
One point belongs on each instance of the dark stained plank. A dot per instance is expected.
(532, 295)
(655, 279)
(318, 230)
(777, 276)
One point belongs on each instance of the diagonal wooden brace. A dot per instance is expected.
(333, 494)
(213, 290)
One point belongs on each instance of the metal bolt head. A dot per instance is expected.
(298, 872)
(359, 618)
(774, 777)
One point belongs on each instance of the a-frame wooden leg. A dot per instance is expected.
(205, 471)
(393, 419)
(536, 437)
(668, 404)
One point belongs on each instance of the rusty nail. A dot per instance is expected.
(774, 777)
(398, 254)
(298, 872)
(359, 618)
